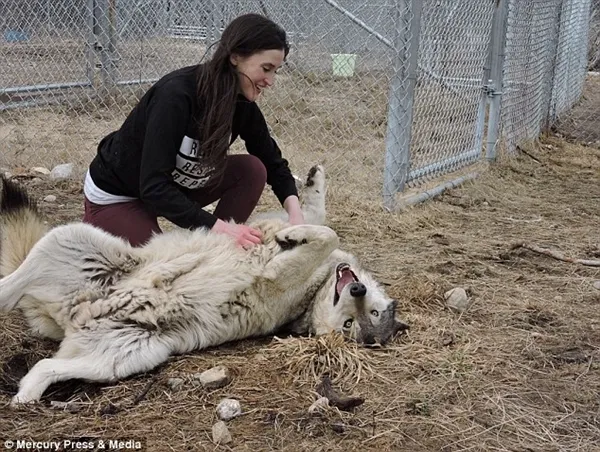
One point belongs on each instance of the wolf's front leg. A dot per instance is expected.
(303, 249)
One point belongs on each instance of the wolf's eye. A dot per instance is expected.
(348, 323)
(375, 313)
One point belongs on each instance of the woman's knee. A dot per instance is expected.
(130, 221)
(249, 168)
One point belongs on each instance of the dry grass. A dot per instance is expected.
(519, 370)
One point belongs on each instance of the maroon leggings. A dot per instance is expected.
(241, 187)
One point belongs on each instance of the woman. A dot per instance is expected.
(169, 158)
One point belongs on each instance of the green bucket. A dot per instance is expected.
(343, 64)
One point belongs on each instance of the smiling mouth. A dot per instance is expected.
(343, 276)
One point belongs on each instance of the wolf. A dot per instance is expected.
(120, 310)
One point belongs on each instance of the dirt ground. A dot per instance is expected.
(518, 371)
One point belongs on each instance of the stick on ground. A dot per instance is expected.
(556, 255)
(344, 403)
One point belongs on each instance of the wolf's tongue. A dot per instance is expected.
(346, 278)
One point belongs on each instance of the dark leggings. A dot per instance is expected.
(242, 185)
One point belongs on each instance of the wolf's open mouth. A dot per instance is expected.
(344, 276)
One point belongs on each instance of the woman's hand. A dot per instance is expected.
(244, 236)
(292, 207)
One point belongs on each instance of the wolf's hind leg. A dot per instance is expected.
(104, 357)
(68, 259)
(40, 321)
(12, 289)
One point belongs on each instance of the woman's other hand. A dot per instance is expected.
(294, 211)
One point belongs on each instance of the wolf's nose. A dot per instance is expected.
(369, 340)
(358, 289)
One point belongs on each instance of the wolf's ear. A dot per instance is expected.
(400, 326)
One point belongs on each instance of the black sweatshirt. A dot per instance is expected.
(154, 155)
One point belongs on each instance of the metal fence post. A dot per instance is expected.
(91, 40)
(215, 24)
(555, 54)
(163, 18)
(401, 99)
(106, 20)
(495, 83)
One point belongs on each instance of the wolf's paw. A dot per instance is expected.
(303, 234)
(316, 178)
(288, 241)
(22, 399)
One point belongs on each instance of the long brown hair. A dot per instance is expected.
(218, 82)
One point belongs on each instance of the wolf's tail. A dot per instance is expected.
(21, 226)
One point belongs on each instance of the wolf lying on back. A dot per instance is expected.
(121, 310)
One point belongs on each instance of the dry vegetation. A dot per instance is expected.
(518, 371)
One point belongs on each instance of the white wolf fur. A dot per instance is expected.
(121, 310)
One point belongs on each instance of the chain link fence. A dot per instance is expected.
(578, 118)
(545, 65)
(449, 108)
(391, 95)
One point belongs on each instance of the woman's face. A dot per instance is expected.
(257, 71)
